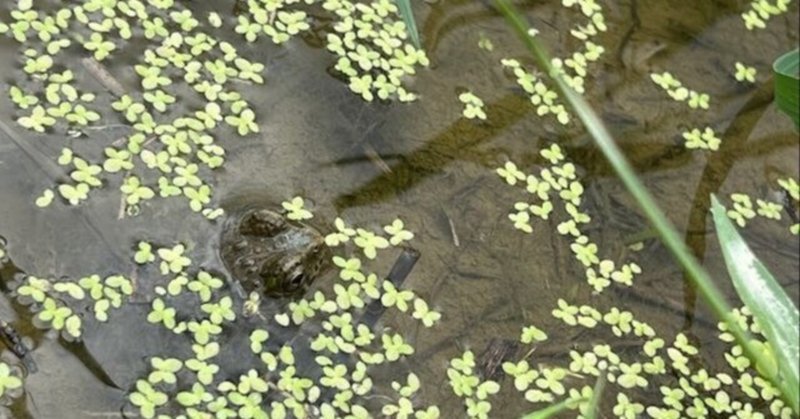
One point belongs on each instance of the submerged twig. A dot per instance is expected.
(99, 72)
(397, 275)
(122, 206)
(376, 159)
(453, 233)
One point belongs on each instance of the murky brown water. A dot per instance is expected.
(487, 279)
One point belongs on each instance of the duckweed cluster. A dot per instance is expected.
(373, 49)
(295, 209)
(168, 150)
(687, 388)
(274, 19)
(171, 151)
(560, 178)
(676, 90)
(466, 384)
(706, 139)
(672, 370)
(761, 11)
(743, 210)
(58, 304)
(574, 69)
(345, 349)
(473, 106)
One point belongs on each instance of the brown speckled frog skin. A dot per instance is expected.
(266, 252)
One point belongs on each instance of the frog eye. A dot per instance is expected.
(262, 224)
(297, 280)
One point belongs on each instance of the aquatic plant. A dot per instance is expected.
(745, 73)
(772, 308)
(181, 152)
(344, 348)
(695, 138)
(295, 209)
(369, 41)
(473, 106)
(762, 11)
(696, 273)
(8, 380)
(560, 178)
(55, 302)
(372, 50)
(744, 211)
(678, 92)
(573, 68)
(696, 393)
(705, 140)
(786, 70)
(147, 398)
(474, 391)
(176, 42)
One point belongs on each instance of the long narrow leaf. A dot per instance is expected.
(774, 311)
(699, 277)
(407, 14)
(597, 393)
(553, 409)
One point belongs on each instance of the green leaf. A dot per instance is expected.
(551, 410)
(787, 84)
(774, 311)
(45, 199)
(70, 288)
(405, 11)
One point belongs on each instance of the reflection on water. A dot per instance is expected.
(424, 163)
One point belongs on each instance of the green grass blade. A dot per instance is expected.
(597, 392)
(599, 133)
(553, 409)
(408, 17)
(774, 311)
(568, 404)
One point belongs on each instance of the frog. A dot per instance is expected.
(267, 253)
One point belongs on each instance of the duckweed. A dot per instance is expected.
(8, 379)
(560, 179)
(374, 58)
(744, 211)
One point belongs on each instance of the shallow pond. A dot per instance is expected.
(370, 163)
